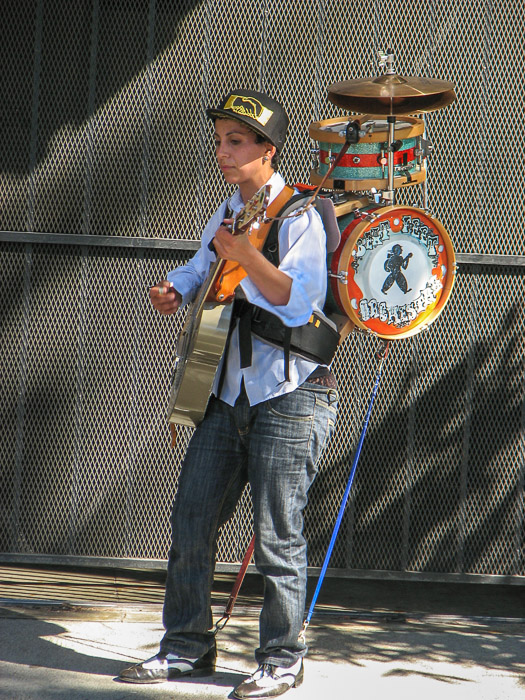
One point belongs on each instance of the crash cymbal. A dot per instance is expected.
(392, 94)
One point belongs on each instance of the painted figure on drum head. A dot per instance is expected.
(394, 263)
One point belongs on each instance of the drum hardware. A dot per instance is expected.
(386, 59)
(423, 149)
(342, 276)
(315, 158)
(391, 94)
(346, 202)
(375, 196)
(383, 161)
(361, 132)
(336, 197)
(404, 171)
(388, 196)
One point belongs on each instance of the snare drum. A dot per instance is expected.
(393, 271)
(364, 165)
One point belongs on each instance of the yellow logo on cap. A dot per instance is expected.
(249, 107)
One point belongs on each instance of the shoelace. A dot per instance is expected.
(264, 670)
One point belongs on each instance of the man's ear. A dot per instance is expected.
(270, 149)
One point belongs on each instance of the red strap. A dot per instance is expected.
(240, 578)
(236, 587)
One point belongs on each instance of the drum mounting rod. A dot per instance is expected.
(387, 60)
(389, 194)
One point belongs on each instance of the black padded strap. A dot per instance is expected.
(245, 338)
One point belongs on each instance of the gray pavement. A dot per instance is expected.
(367, 641)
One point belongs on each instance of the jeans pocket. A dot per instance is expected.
(297, 405)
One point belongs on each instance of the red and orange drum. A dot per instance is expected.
(393, 271)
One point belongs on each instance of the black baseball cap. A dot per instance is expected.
(258, 111)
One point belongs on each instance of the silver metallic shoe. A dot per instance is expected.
(270, 681)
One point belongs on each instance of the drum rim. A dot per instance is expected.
(427, 317)
(416, 128)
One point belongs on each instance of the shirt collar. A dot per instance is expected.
(277, 183)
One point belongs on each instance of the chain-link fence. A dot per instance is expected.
(107, 176)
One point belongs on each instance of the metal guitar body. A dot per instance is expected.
(199, 350)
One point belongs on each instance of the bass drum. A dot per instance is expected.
(393, 271)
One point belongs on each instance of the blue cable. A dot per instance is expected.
(381, 355)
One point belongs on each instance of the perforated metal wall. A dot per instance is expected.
(107, 176)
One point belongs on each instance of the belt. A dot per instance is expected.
(323, 377)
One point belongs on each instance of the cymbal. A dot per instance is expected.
(392, 94)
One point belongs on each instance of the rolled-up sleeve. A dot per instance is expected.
(302, 249)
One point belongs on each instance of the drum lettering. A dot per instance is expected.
(364, 310)
(436, 284)
(376, 239)
(407, 225)
(384, 227)
(404, 314)
(413, 227)
(420, 304)
(429, 296)
(432, 245)
(369, 240)
(373, 308)
(411, 311)
(360, 249)
(380, 234)
(430, 239)
(397, 316)
(393, 316)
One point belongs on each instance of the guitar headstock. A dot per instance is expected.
(253, 209)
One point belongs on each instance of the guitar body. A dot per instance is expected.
(199, 351)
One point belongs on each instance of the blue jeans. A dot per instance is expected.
(274, 446)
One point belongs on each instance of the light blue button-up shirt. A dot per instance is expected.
(302, 250)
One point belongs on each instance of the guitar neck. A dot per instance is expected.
(207, 285)
(242, 222)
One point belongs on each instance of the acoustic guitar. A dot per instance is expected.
(203, 337)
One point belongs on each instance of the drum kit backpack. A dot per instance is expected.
(394, 268)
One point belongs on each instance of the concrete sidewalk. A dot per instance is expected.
(74, 652)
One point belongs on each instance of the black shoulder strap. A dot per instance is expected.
(270, 249)
(316, 340)
(324, 207)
